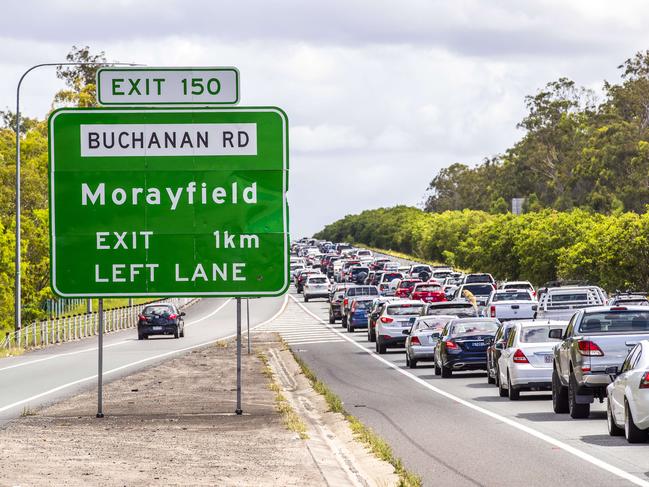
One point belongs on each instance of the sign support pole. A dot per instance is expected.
(248, 319)
(100, 361)
(238, 411)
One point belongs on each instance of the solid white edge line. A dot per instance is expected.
(531, 431)
(76, 352)
(138, 362)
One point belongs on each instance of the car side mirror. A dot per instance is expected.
(556, 333)
(406, 332)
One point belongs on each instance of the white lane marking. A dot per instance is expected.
(92, 349)
(531, 431)
(311, 342)
(138, 362)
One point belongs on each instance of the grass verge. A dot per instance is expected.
(377, 445)
(11, 352)
(292, 420)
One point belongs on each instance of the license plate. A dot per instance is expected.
(155, 328)
(477, 344)
(548, 359)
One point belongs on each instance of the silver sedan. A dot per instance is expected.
(422, 337)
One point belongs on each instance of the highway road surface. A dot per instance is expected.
(53, 373)
(458, 431)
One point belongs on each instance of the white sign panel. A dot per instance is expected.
(167, 86)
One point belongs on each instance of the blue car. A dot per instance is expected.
(463, 345)
(358, 313)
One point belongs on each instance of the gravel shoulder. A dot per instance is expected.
(174, 424)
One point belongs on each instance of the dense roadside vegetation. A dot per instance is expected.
(576, 151)
(610, 250)
(79, 91)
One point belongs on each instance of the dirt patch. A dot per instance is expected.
(171, 424)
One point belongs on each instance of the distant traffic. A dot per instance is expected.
(570, 338)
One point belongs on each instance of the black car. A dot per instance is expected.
(463, 345)
(160, 319)
(493, 353)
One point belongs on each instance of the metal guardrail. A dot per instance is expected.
(73, 327)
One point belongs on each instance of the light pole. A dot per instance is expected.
(17, 294)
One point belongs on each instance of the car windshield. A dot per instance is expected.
(363, 291)
(479, 289)
(157, 310)
(404, 284)
(317, 280)
(391, 276)
(478, 278)
(428, 287)
(623, 321)
(404, 309)
(455, 310)
(522, 296)
(537, 334)
(474, 327)
(420, 268)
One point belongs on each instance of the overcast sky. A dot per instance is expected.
(380, 94)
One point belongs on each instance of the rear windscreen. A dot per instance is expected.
(479, 289)
(403, 284)
(318, 280)
(456, 310)
(404, 310)
(615, 322)
(478, 279)
(421, 268)
(517, 286)
(474, 327)
(391, 276)
(428, 287)
(537, 334)
(512, 297)
(157, 310)
(567, 298)
(362, 305)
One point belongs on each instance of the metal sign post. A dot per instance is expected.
(100, 360)
(248, 320)
(238, 411)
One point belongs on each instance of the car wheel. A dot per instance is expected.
(613, 428)
(372, 337)
(632, 433)
(182, 332)
(514, 394)
(380, 346)
(577, 411)
(176, 333)
(376, 346)
(559, 395)
(490, 379)
(446, 372)
(343, 322)
(332, 320)
(412, 363)
(502, 391)
(437, 371)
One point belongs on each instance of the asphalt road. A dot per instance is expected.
(458, 431)
(53, 373)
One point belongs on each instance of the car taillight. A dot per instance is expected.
(386, 319)
(142, 318)
(519, 357)
(173, 316)
(451, 345)
(415, 341)
(492, 311)
(644, 382)
(345, 302)
(589, 349)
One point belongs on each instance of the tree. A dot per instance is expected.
(80, 79)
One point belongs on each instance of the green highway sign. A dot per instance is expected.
(167, 86)
(169, 202)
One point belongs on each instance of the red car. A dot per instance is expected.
(405, 287)
(428, 292)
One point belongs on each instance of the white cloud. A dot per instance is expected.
(379, 95)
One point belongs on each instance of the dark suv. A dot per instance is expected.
(160, 319)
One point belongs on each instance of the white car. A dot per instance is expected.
(316, 286)
(511, 304)
(525, 361)
(628, 397)
(518, 285)
(396, 317)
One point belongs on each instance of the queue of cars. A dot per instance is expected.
(567, 338)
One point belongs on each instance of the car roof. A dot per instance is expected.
(476, 320)
(409, 302)
(529, 323)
